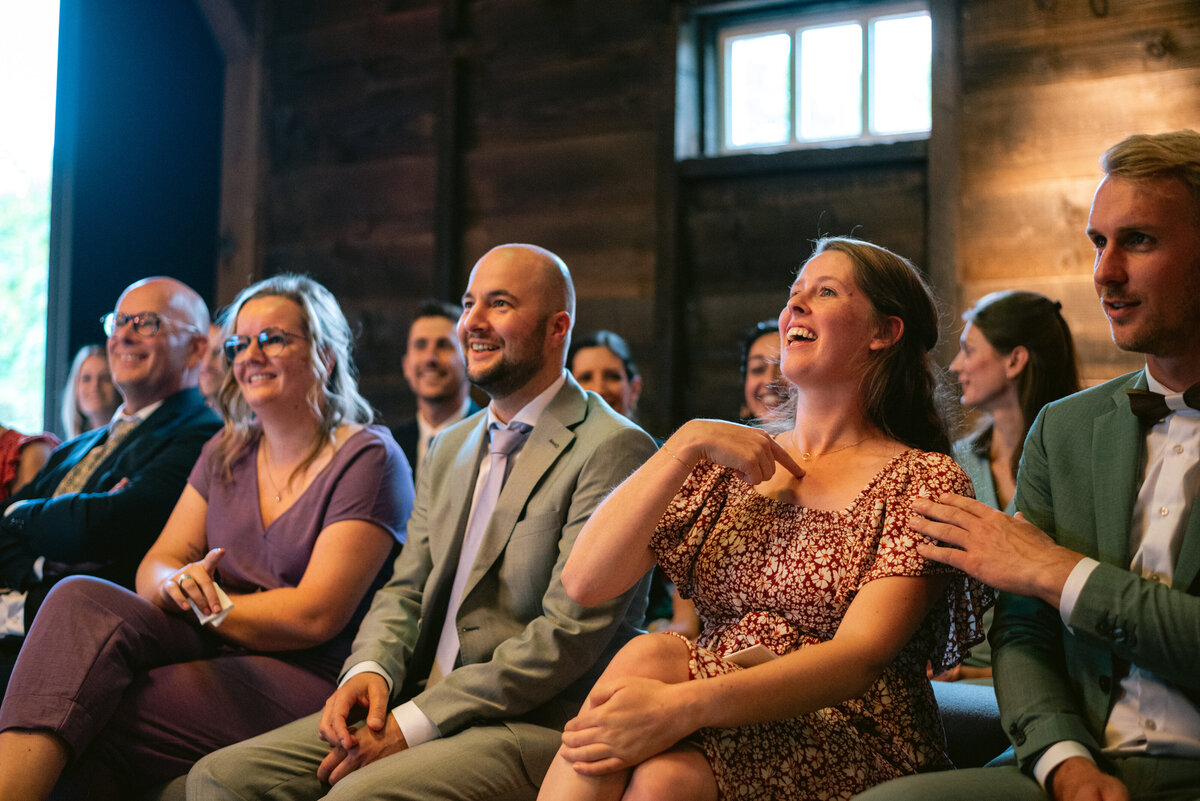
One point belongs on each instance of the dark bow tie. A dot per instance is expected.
(1150, 407)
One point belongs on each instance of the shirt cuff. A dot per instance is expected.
(1055, 755)
(1073, 586)
(414, 724)
(369, 666)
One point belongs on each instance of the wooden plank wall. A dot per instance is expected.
(561, 110)
(559, 127)
(1047, 87)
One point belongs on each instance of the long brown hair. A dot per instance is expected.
(1016, 318)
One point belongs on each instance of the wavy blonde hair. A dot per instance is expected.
(334, 398)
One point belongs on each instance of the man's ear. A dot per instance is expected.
(196, 348)
(1016, 361)
(889, 333)
(559, 326)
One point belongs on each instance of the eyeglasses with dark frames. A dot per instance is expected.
(145, 323)
(271, 341)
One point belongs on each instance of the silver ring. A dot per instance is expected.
(183, 576)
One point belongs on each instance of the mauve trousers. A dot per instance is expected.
(138, 694)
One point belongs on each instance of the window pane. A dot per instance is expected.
(28, 69)
(831, 82)
(759, 93)
(900, 97)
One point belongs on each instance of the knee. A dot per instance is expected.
(654, 656)
(84, 596)
(671, 776)
(210, 777)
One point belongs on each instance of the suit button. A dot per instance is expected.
(1018, 736)
(1105, 684)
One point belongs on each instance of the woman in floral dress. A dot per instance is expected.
(819, 616)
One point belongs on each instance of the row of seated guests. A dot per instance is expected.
(297, 505)
(810, 554)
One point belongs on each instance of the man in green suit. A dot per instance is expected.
(1097, 633)
(473, 657)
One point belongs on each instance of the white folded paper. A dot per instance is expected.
(216, 617)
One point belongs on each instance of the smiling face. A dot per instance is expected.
(602, 371)
(148, 369)
(829, 326)
(95, 395)
(433, 362)
(984, 374)
(763, 388)
(513, 329)
(1147, 269)
(281, 382)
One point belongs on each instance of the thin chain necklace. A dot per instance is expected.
(806, 455)
(267, 465)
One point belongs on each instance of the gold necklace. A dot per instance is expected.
(267, 465)
(806, 455)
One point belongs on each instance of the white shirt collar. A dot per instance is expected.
(531, 411)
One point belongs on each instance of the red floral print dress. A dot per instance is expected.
(762, 571)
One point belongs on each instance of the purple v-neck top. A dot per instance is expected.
(368, 479)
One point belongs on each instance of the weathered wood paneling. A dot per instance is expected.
(1045, 92)
(562, 113)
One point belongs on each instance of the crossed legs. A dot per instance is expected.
(680, 773)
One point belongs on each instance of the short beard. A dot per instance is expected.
(505, 378)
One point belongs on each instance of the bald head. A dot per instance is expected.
(179, 301)
(148, 368)
(549, 272)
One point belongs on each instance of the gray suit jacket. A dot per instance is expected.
(1079, 478)
(529, 654)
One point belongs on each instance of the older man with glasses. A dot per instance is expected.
(104, 496)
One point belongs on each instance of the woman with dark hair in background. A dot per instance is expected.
(818, 614)
(602, 362)
(1015, 355)
(292, 510)
(763, 387)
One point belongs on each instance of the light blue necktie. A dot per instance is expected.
(502, 443)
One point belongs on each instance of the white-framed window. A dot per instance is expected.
(853, 76)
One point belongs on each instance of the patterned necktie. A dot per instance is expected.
(1151, 407)
(78, 475)
(503, 442)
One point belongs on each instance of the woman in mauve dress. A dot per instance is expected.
(819, 615)
(285, 527)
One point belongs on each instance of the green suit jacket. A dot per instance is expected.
(529, 654)
(1078, 481)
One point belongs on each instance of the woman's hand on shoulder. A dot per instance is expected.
(752, 452)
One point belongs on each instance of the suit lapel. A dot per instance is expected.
(1117, 443)
(549, 439)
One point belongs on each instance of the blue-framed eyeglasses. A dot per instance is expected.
(144, 323)
(271, 341)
